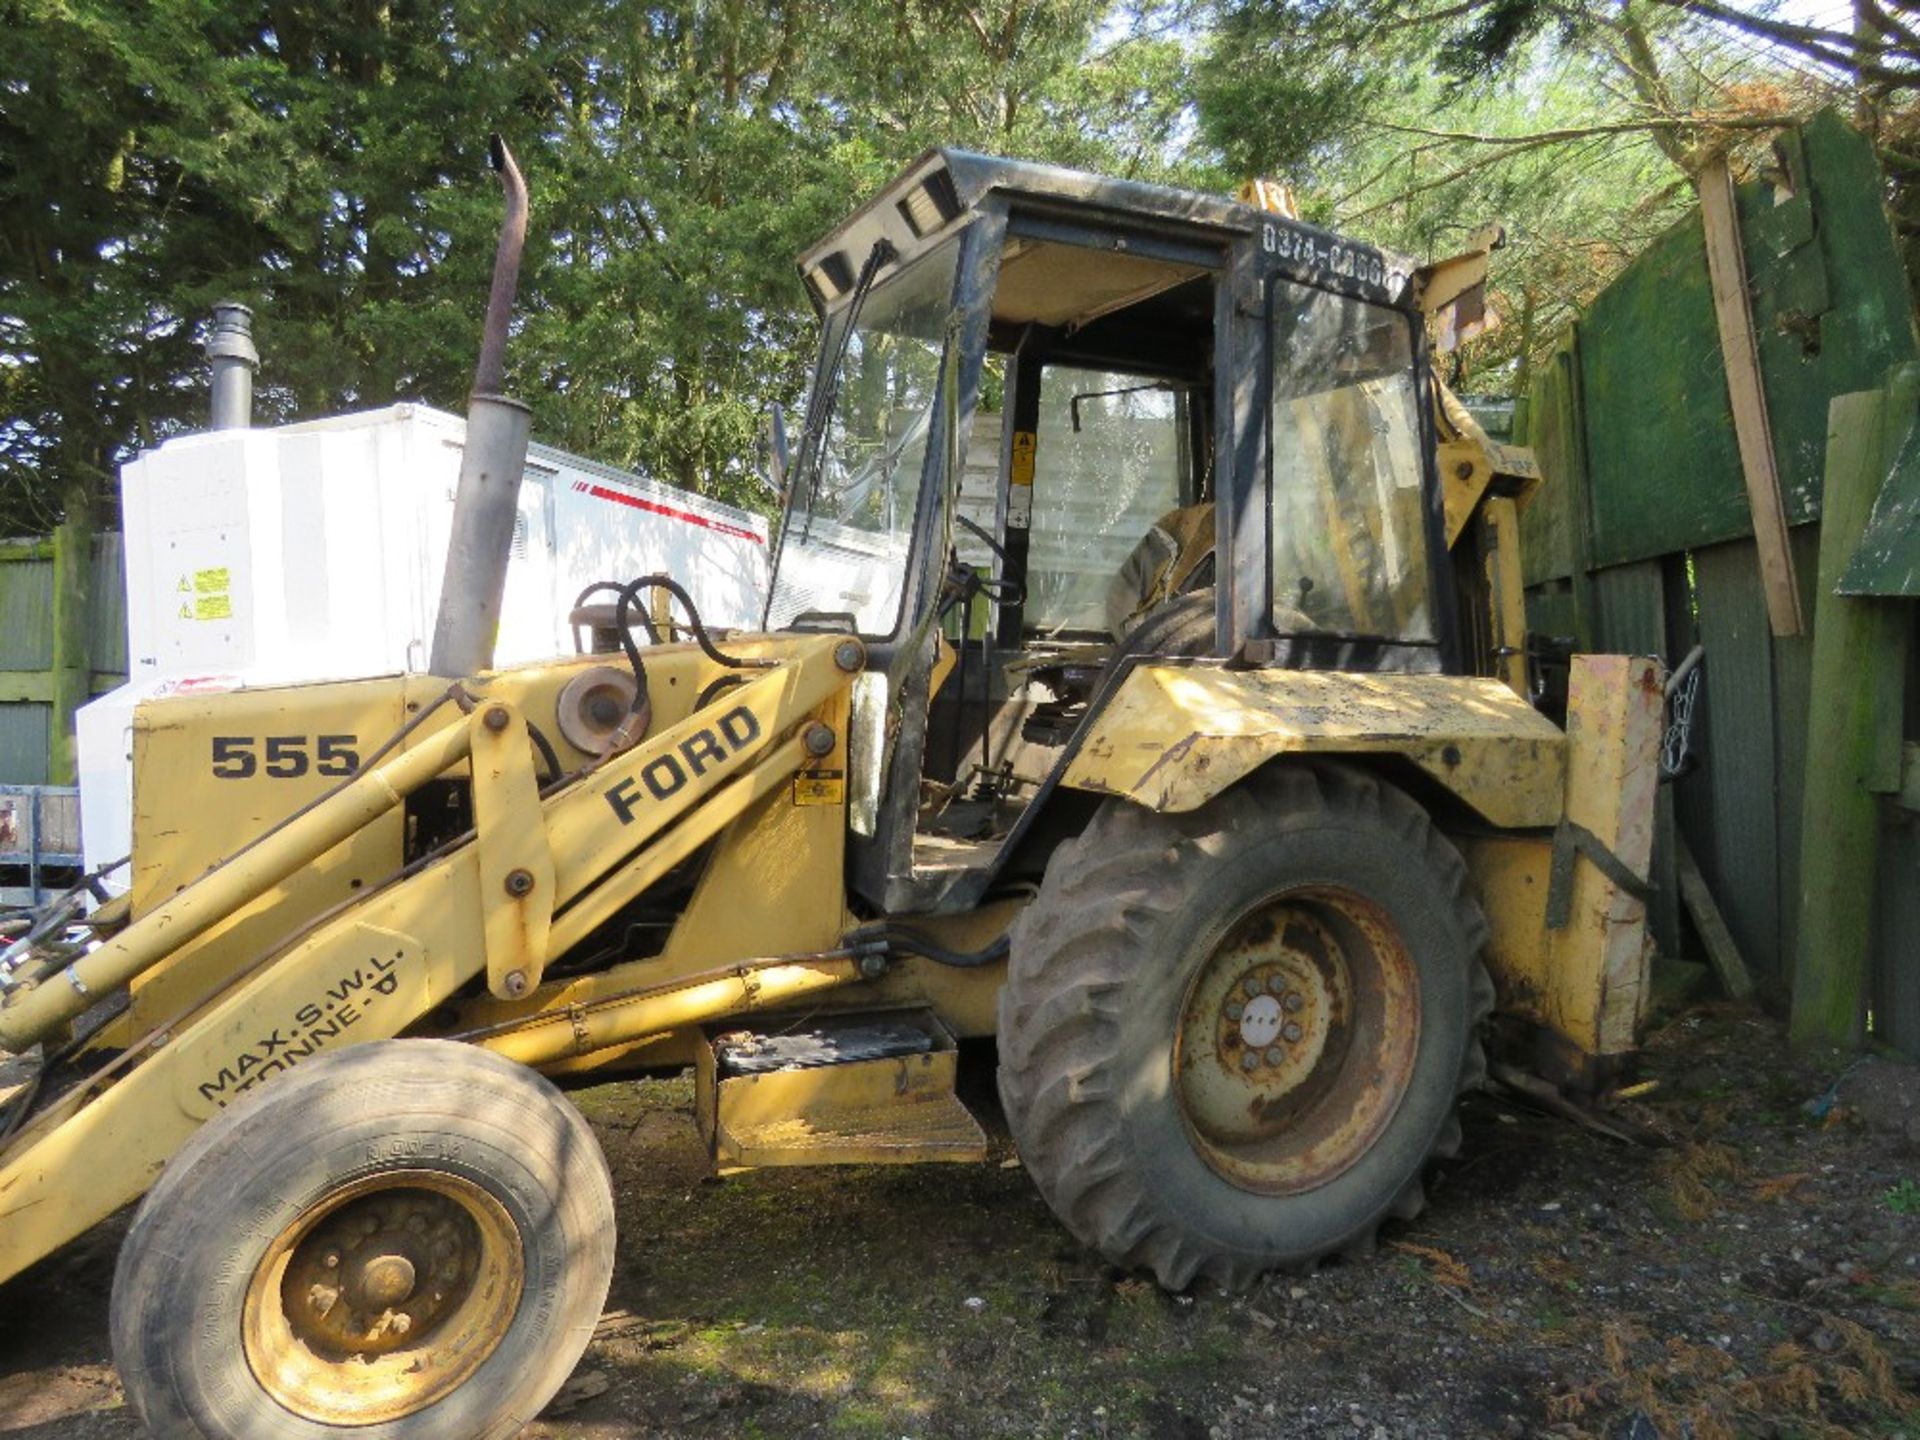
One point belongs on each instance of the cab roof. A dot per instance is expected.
(932, 197)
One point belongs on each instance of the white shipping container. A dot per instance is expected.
(315, 552)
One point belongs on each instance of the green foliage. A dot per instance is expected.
(1903, 1198)
(1413, 122)
(324, 164)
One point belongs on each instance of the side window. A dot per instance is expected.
(1349, 525)
(1107, 464)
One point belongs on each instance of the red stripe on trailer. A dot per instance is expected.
(693, 517)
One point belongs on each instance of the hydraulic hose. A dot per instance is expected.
(917, 942)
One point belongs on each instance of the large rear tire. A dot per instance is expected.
(1231, 1040)
(407, 1239)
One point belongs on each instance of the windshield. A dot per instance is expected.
(1349, 517)
(850, 523)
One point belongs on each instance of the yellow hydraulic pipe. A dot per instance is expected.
(583, 1029)
(32, 1013)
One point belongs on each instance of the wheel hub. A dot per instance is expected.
(383, 1281)
(1296, 1039)
(383, 1297)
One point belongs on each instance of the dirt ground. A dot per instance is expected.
(1758, 1276)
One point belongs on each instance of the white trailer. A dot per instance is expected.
(315, 552)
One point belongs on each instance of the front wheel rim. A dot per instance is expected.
(383, 1297)
(1297, 1038)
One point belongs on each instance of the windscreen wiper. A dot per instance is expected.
(814, 437)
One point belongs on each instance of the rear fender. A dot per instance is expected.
(1173, 736)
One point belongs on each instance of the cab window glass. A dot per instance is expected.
(1349, 525)
(1097, 489)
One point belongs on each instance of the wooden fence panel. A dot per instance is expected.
(1728, 809)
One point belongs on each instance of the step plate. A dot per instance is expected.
(935, 1128)
(880, 1102)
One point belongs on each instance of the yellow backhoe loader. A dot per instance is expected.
(1180, 732)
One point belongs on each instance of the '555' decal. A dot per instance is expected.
(284, 757)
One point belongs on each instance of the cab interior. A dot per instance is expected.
(1104, 358)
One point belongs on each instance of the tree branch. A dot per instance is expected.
(1611, 127)
(1829, 47)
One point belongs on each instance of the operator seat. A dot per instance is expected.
(1174, 558)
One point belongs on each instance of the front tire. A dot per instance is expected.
(1230, 1040)
(407, 1239)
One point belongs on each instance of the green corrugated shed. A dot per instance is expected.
(26, 600)
(1832, 315)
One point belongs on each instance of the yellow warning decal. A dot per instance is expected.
(820, 787)
(209, 582)
(213, 607)
(1021, 472)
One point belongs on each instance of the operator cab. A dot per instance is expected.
(1059, 423)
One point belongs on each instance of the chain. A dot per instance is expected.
(1676, 746)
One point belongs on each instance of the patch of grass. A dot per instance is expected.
(1903, 1198)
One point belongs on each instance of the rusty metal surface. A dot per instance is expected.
(383, 1298)
(1174, 736)
(1297, 1040)
(1586, 983)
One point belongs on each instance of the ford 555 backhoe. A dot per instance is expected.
(1185, 743)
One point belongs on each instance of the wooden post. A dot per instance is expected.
(1579, 500)
(1858, 653)
(1722, 953)
(72, 666)
(1727, 267)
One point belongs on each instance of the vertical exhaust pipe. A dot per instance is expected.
(498, 429)
(231, 354)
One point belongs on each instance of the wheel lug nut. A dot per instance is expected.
(1292, 1032)
(1235, 1010)
(1276, 983)
(1294, 1000)
(1252, 987)
(1275, 1055)
(1249, 1061)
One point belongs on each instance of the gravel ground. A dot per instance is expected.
(1758, 1275)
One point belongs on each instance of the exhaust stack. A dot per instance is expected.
(230, 352)
(498, 429)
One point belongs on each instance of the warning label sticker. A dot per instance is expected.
(820, 787)
(206, 594)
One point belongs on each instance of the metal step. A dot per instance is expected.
(852, 1090)
(935, 1129)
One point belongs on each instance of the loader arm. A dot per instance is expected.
(538, 875)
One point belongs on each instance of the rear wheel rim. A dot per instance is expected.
(383, 1297)
(1296, 1039)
